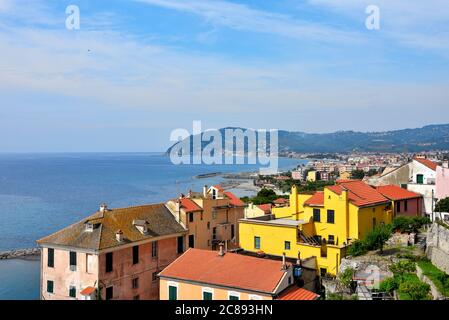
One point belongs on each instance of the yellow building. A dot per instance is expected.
(311, 176)
(318, 226)
(345, 175)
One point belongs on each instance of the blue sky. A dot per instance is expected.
(138, 69)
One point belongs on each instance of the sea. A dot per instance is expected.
(42, 193)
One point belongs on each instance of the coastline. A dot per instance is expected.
(25, 254)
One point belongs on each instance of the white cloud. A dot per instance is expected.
(243, 17)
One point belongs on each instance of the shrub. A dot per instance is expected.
(442, 205)
(346, 276)
(389, 285)
(334, 296)
(357, 248)
(408, 224)
(402, 267)
(415, 289)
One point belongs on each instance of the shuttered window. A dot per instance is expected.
(51, 258)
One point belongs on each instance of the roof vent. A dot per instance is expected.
(119, 235)
(141, 225)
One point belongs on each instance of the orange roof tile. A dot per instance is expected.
(296, 293)
(189, 205)
(218, 187)
(231, 270)
(428, 163)
(359, 193)
(316, 200)
(265, 207)
(234, 200)
(394, 192)
(280, 201)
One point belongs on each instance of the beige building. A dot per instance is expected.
(229, 276)
(211, 217)
(113, 254)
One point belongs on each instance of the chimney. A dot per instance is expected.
(103, 207)
(205, 191)
(119, 235)
(298, 262)
(284, 264)
(221, 253)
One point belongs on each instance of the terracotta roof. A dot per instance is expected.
(234, 200)
(231, 270)
(218, 187)
(265, 207)
(280, 201)
(428, 163)
(359, 193)
(296, 293)
(394, 192)
(159, 220)
(317, 199)
(189, 205)
(87, 291)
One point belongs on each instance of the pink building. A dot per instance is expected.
(405, 202)
(442, 181)
(113, 254)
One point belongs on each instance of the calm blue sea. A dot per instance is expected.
(41, 193)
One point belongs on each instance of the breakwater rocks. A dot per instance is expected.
(20, 253)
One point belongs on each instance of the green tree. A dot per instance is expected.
(357, 174)
(376, 238)
(442, 205)
(357, 248)
(416, 290)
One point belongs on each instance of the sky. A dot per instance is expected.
(136, 70)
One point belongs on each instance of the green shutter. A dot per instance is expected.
(207, 295)
(233, 298)
(172, 293)
(50, 286)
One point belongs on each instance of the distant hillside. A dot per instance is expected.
(432, 137)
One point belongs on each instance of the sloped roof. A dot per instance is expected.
(159, 220)
(316, 200)
(359, 193)
(280, 201)
(233, 199)
(394, 192)
(428, 163)
(189, 205)
(231, 270)
(296, 293)
(266, 208)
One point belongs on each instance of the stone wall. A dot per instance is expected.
(433, 289)
(438, 246)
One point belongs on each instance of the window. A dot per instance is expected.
(51, 257)
(180, 244)
(257, 242)
(172, 293)
(317, 215)
(135, 283)
(234, 295)
(208, 225)
(289, 280)
(191, 241)
(232, 231)
(330, 216)
(330, 239)
(398, 206)
(191, 217)
(109, 293)
(154, 276)
(136, 297)
(287, 245)
(254, 297)
(323, 272)
(109, 261)
(207, 294)
(419, 179)
(89, 263)
(72, 292)
(72, 260)
(135, 254)
(214, 233)
(50, 285)
(154, 249)
(405, 205)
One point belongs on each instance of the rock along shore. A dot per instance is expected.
(20, 253)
